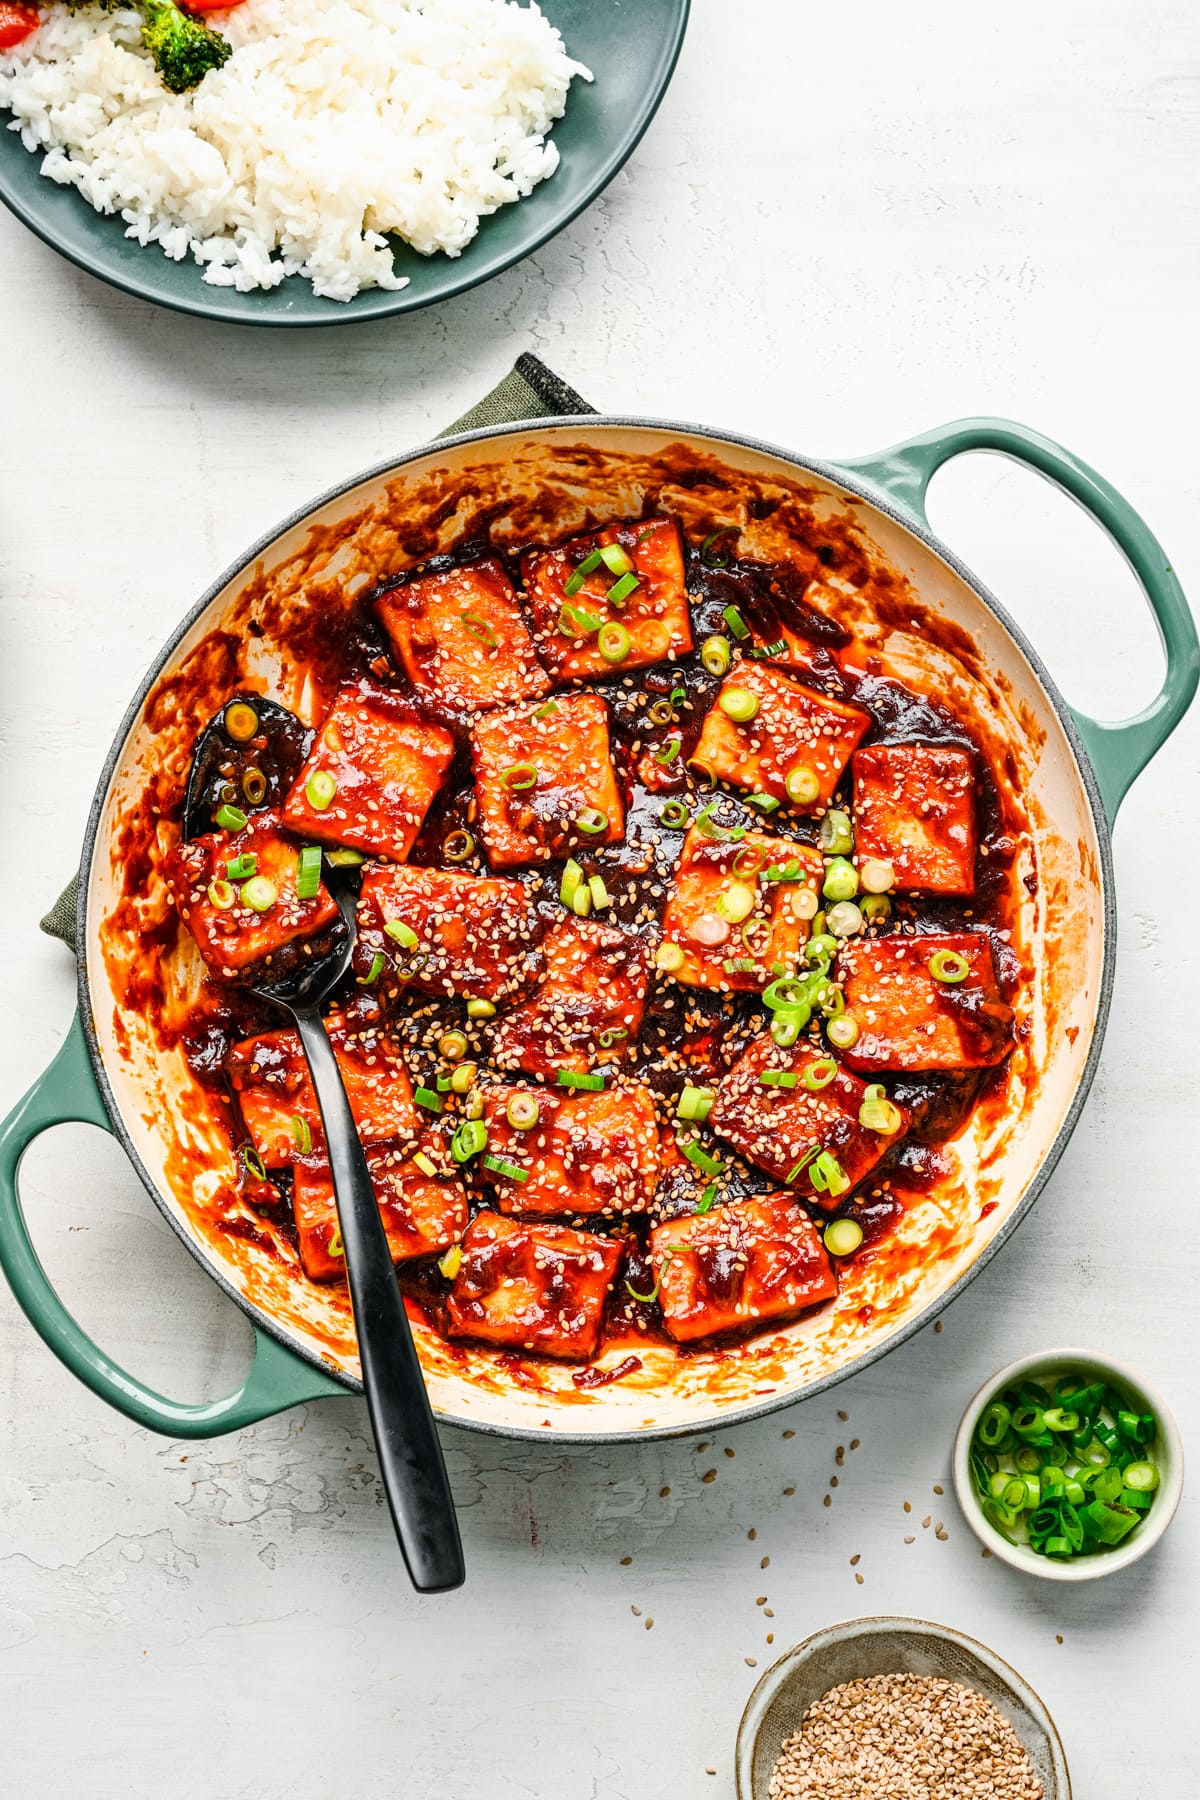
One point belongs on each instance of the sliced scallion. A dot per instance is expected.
(308, 872)
(613, 641)
(469, 1139)
(499, 1166)
(827, 1175)
(519, 776)
(479, 629)
(803, 785)
(259, 894)
(819, 1074)
(717, 560)
(843, 1237)
(231, 818)
(240, 721)
(707, 1165)
(523, 1111)
(949, 967)
(574, 1078)
(320, 789)
(254, 786)
(429, 1099)
(739, 704)
(620, 591)
(695, 1103)
(735, 622)
(715, 654)
(582, 570)
(841, 879)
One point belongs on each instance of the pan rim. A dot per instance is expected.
(850, 483)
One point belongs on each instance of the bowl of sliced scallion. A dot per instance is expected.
(1068, 1465)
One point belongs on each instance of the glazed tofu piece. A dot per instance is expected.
(371, 774)
(587, 1005)
(460, 637)
(791, 727)
(544, 781)
(654, 613)
(532, 1286)
(472, 931)
(232, 935)
(588, 1152)
(773, 916)
(269, 1075)
(755, 1259)
(914, 807)
(782, 1129)
(911, 1020)
(422, 1214)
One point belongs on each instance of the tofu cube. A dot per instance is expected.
(422, 1214)
(909, 1020)
(533, 1287)
(460, 637)
(755, 1259)
(538, 771)
(586, 1007)
(914, 807)
(654, 613)
(269, 1075)
(472, 931)
(589, 1153)
(234, 938)
(387, 764)
(781, 1129)
(791, 727)
(711, 873)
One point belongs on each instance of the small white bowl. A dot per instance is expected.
(860, 1648)
(1167, 1455)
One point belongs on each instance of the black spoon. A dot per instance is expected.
(410, 1455)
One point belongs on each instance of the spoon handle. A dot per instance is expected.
(410, 1456)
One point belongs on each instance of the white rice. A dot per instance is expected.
(333, 122)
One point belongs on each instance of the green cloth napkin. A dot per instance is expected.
(529, 391)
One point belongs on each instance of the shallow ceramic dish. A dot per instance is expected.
(549, 478)
(1166, 1454)
(630, 49)
(888, 1646)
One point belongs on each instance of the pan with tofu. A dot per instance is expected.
(642, 940)
(724, 890)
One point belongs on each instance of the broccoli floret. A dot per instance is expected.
(184, 49)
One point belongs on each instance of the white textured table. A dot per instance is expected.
(909, 214)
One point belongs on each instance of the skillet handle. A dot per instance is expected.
(1118, 751)
(275, 1380)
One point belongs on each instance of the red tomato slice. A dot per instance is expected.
(16, 22)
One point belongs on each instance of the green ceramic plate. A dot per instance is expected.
(631, 46)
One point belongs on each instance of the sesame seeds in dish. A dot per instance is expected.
(904, 1737)
(647, 1052)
